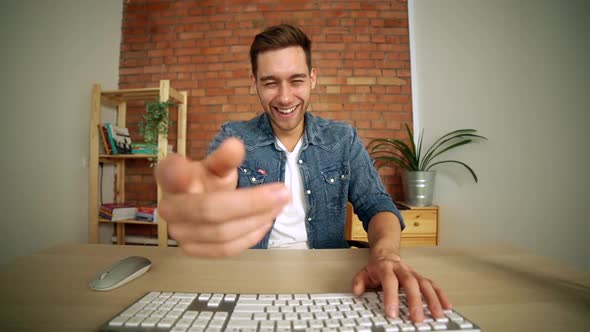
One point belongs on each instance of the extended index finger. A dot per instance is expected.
(178, 174)
(226, 158)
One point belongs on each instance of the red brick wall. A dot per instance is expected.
(360, 50)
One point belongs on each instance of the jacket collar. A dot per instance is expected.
(311, 131)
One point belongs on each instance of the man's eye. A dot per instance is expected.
(270, 84)
(298, 82)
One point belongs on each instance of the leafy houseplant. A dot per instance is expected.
(155, 121)
(418, 179)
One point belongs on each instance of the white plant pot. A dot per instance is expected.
(418, 187)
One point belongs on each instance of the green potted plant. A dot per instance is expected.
(155, 121)
(417, 178)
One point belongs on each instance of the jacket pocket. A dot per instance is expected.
(336, 185)
(249, 176)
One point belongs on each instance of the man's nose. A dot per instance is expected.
(285, 94)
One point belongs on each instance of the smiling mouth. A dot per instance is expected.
(285, 111)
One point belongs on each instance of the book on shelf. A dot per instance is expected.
(103, 135)
(144, 148)
(147, 213)
(117, 211)
(110, 139)
(122, 140)
(118, 139)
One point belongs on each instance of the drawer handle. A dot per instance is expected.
(416, 223)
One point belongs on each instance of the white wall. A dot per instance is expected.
(52, 52)
(518, 71)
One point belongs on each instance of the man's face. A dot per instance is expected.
(284, 84)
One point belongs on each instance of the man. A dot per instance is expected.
(285, 182)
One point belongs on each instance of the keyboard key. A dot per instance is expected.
(267, 297)
(118, 321)
(248, 308)
(364, 322)
(242, 323)
(325, 296)
(454, 316)
(216, 323)
(275, 316)
(407, 327)
(230, 297)
(248, 297)
(166, 322)
(213, 303)
(438, 326)
(465, 325)
(251, 302)
(336, 315)
(267, 324)
(299, 324)
(150, 322)
(422, 327)
(260, 316)
(190, 314)
(283, 324)
(133, 321)
(241, 316)
(290, 316)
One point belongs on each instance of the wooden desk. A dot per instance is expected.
(499, 289)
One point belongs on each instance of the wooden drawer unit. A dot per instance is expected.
(421, 226)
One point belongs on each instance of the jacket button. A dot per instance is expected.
(253, 179)
(309, 219)
(308, 192)
(331, 180)
(300, 161)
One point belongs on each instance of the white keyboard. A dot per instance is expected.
(331, 312)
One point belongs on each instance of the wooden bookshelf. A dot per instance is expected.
(118, 99)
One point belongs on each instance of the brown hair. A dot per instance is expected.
(278, 37)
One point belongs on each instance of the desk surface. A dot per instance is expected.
(499, 289)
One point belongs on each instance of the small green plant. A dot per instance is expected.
(155, 121)
(394, 151)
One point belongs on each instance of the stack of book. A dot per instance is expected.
(144, 148)
(117, 211)
(146, 213)
(116, 140)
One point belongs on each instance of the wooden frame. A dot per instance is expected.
(119, 99)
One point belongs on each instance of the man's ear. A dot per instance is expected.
(312, 77)
(253, 87)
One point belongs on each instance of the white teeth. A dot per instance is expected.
(286, 110)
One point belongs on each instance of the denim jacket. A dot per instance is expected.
(335, 168)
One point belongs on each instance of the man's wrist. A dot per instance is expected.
(386, 250)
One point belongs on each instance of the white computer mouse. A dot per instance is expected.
(120, 273)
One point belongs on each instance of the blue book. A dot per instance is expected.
(111, 135)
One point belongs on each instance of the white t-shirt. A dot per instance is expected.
(289, 229)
